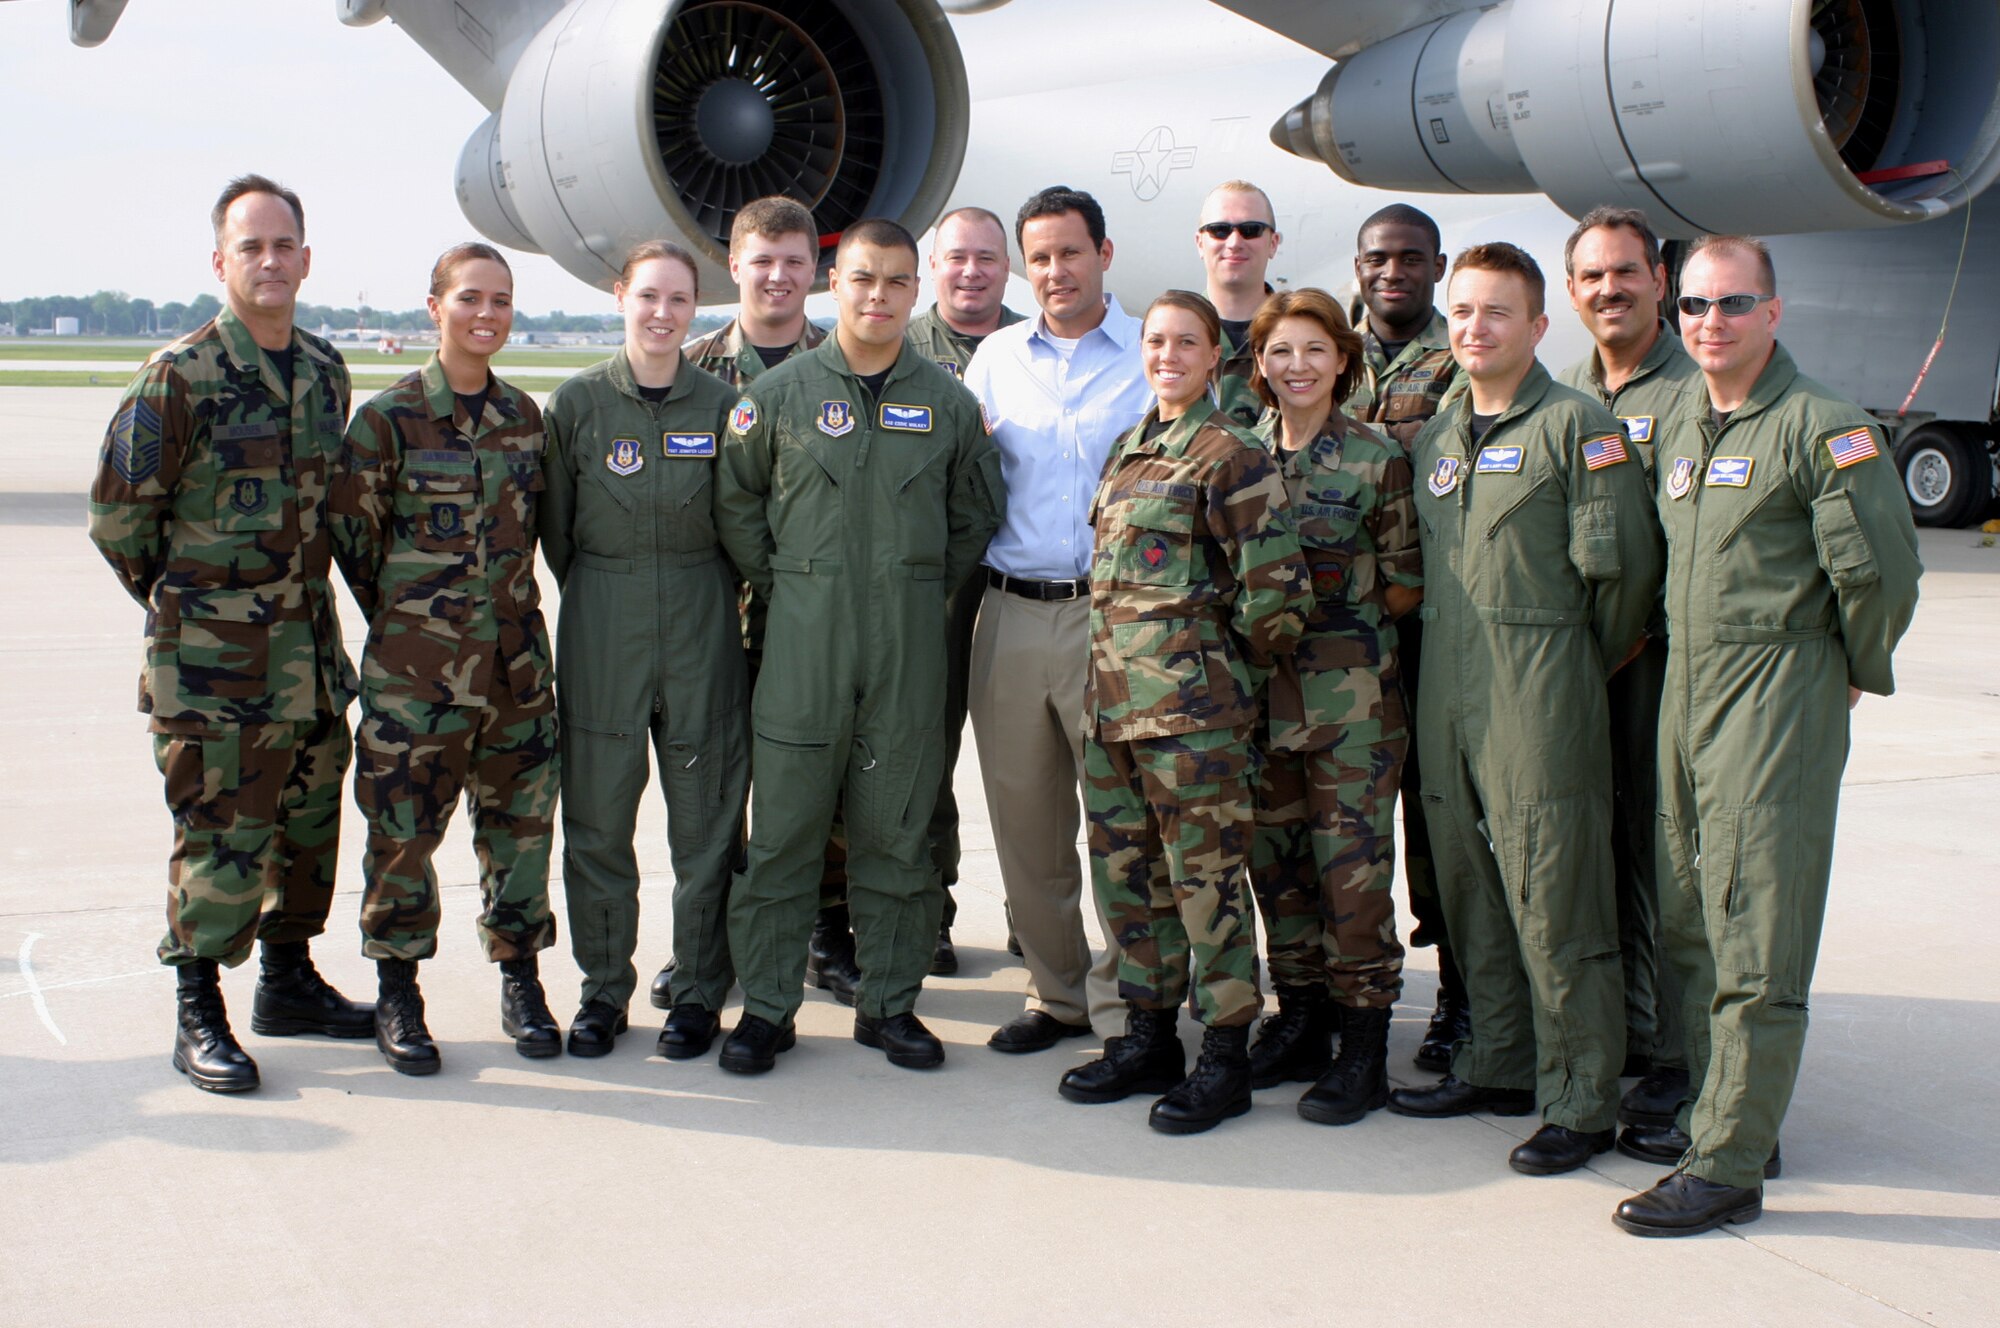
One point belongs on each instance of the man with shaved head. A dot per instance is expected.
(1237, 238)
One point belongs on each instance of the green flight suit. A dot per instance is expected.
(1653, 394)
(1791, 574)
(210, 505)
(1541, 566)
(953, 350)
(851, 517)
(648, 652)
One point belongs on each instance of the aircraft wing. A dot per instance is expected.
(1339, 30)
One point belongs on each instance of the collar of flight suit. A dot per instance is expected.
(1771, 385)
(623, 379)
(1526, 397)
(831, 357)
(1665, 345)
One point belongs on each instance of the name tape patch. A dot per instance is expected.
(906, 419)
(689, 444)
(1638, 428)
(1499, 460)
(1729, 472)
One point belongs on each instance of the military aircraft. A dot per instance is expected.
(1856, 133)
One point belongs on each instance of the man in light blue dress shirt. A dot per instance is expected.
(1057, 391)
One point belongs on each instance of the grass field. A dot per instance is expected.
(363, 381)
(556, 357)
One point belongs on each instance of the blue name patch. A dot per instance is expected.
(1498, 460)
(690, 444)
(1639, 428)
(907, 419)
(1729, 473)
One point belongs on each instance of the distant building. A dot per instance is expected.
(68, 327)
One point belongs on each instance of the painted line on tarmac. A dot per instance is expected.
(34, 989)
(83, 982)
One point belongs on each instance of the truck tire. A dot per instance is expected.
(1946, 474)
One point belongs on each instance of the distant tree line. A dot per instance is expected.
(116, 314)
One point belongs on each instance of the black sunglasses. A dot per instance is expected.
(1249, 230)
(1732, 306)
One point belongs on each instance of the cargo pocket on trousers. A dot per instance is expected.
(692, 773)
(891, 789)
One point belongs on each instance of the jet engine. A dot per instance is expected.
(1765, 116)
(627, 120)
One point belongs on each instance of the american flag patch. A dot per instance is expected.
(1606, 451)
(1852, 446)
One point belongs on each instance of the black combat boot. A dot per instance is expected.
(944, 956)
(524, 1010)
(661, 993)
(204, 1048)
(830, 963)
(1358, 1081)
(1450, 1022)
(1218, 1087)
(293, 998)
(1148, 1059)
(1296, 1043)
(399, 1019)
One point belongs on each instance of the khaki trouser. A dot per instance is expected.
(1025, 696)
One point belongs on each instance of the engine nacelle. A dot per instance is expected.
(630, 120)
(1710, 115)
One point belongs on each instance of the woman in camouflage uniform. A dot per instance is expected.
(1332, 735)
(434, 528)
(1196, 586)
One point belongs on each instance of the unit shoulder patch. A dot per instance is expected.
(624, 458)
(744, 418)
(836, 419)
(1680, 480)
(1444, 477)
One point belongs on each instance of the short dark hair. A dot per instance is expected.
(1499, 256)
(456, 257)
(1739, 244)
(878, 231)
(772, 218)
(255, 184)
(1613, 219)
(1402, 214)
(1315, 304)
(647, 250)
(1053, 202)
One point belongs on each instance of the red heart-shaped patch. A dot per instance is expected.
(1152, 553)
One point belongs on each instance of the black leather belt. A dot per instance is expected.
(1041, 590)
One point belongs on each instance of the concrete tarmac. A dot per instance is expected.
(840, 1190)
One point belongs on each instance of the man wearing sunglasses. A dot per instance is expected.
(1617, 284)
(1791, 574)
(1237, 239)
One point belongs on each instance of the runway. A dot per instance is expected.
(839, 1190)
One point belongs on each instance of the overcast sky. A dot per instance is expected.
(114, 155)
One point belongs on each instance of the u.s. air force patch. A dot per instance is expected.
(1444, 478)
(1680, 480)
(135, 441)
(743, 418)
(624, 458)
(836, 419)
(247, 495)
(906, 419)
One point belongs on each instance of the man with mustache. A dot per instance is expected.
(1642, 375)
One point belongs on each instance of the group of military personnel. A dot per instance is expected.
(1225, 578)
